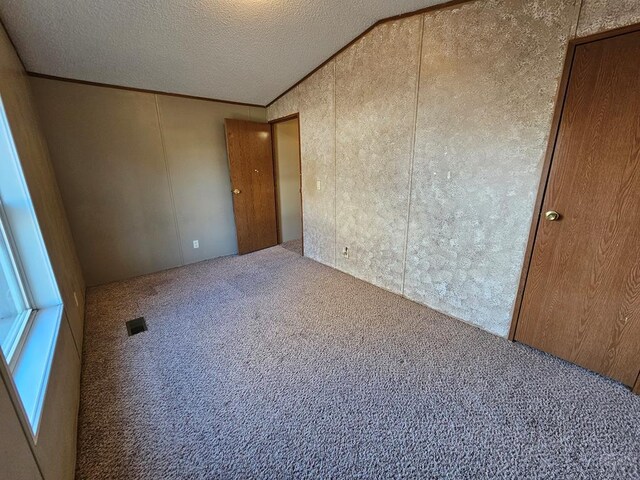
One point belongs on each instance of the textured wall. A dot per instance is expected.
(373, 150)
(284, 106)
(480, 141)
(489, 74)
(317, 144)
(143, 178)
(601, 15)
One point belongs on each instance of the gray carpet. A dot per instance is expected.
(273, 366)
(293, 245)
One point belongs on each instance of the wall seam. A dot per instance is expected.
(575, 30)
(413, 152)
(168, 171)
(75, 342)
(335, 167)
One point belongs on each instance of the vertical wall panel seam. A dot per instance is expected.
(335, 165)
(414, 139)
(168, 171)
(65, 318)
(575, 30)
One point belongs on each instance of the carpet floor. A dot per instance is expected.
(293, 245)
(271, 365)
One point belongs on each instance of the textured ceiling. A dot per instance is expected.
(241, 50)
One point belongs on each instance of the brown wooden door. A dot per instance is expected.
(582, 295)
(251, 167)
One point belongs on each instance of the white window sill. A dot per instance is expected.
(33, 364)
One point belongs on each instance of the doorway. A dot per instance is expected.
(581, 293)
(288, 184)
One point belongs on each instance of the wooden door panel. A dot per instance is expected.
(582, 296)
(251, 169)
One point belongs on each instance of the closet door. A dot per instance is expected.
(582, 295)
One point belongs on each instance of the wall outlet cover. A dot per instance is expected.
(196, 244)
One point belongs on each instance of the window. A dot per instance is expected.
(15, 307)
(30, 302)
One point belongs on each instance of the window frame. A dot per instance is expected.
(14, 341)
(26, 368)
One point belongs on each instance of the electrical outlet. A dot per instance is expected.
(345, 252)
(318, 185)
(196, 244)
(75, 297)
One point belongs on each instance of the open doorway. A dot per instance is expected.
(288, 176)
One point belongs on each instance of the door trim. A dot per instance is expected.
(546, 166)
(295, 116)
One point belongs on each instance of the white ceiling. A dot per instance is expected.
(241, 50)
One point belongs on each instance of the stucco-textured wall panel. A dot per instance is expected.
(317, 132)
(490, 73)
(600, 15)
(284, 106)
(375, 111)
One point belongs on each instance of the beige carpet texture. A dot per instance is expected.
(273, 366)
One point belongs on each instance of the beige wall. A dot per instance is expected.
(430, 181)
(142, 176)
(287, 170)
(18, 462)
(55, 450)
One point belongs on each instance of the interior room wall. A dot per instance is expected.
(477, 168)
(54, 452)
(142, 179)
(18, 461)
(373, 166)
(286, 147)
(601, 15)
(433, 192)
(316, 104)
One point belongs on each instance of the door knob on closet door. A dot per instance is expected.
(236, 191)
(552, 215)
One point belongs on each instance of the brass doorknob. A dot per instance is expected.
(236, 191)
(552, 215)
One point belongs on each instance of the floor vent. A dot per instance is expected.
(137, 325)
